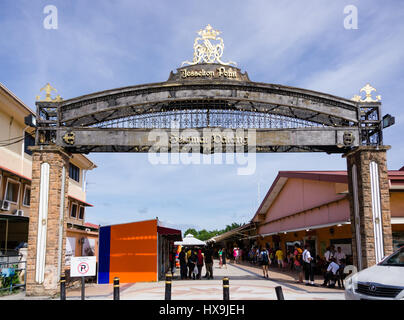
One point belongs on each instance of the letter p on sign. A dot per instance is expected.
(83, 267)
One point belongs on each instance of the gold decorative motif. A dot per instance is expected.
(69, 138)
(368, 89)
(207, 52)
(348, 138)
(48, 98)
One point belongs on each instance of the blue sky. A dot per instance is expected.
(103, 44)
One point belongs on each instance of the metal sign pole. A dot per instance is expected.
(83, 284)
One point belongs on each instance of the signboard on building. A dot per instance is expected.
(88, 248)
(70, 249)
(83, 266)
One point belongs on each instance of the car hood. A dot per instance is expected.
(387, 275)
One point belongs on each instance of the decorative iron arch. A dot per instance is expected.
(207, 96)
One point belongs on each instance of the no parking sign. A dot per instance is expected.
(83, 266)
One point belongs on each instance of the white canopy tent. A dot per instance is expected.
(190, 240)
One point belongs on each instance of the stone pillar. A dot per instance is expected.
(47, 222)
(369, 199)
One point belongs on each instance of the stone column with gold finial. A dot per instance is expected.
(48, 216)
(369, 198)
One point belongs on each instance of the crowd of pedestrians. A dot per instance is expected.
(192, 261)
(302, 262)
(299, 260)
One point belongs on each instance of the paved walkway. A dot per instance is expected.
(246, 283)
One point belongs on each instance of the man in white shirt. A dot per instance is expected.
(328, 255)
(307, 266)
(339, 255)
(331, 274)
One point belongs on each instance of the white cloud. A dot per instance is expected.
(301, 43)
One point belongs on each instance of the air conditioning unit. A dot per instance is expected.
(5, 205)
(19, 213)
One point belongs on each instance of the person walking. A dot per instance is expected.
(257, 255)
(224, 258)
(291, 260)
(183, 263)
(264, 257)
(199, 264)
(279, 258)
(220, 258)
(272, 259)
(308, 266)
(298, 262)
(171, 258)
(209, 263)
(192, 261)
(188, 253)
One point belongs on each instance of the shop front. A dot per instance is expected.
(304, 207)
(318, 237)
(135, 252)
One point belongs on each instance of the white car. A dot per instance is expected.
(384, 281)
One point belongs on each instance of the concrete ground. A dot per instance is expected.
(246, 283)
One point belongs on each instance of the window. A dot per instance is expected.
(28, 142)
(73, 210)
(74, 172)
(396, 259)
(27, 196)
(81, 213)
(12, 191)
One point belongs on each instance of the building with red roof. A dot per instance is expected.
(313, 207)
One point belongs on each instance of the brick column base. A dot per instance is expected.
(369, 200)
(57, 160)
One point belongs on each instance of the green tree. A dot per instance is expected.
(191, 231)
(206, 235)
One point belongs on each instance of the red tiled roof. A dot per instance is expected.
(91, 225)
(330, 176)
(15, 173)
(81, 201)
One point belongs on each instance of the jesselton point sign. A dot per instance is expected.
(220, 72)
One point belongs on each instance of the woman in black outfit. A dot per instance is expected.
(224, 257)
(192, 260)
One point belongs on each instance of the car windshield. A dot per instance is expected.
(396, 259)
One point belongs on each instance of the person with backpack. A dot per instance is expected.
(298, 262)
(264, 258)
(192, 261)
(199, 264)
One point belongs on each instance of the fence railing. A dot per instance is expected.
(12, 270)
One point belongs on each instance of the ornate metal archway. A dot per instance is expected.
(205, 97)
(209, 96)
